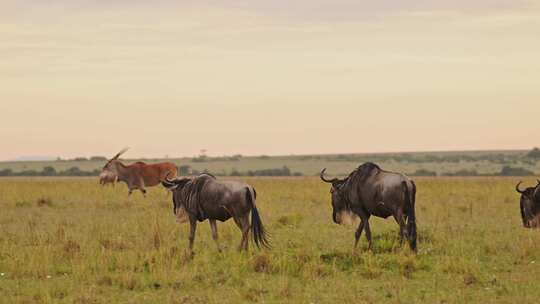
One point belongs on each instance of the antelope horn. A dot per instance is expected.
(327, 180)
(120, 153)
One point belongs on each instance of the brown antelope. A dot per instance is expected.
(138, 175)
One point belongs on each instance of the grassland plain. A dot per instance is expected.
(68, 240)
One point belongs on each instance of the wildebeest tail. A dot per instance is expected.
(410, 197)
(257, 229)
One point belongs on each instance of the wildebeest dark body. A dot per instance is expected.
(368, 191)
(204, 197)
(529, 205)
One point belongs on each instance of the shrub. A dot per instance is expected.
(424, 172)
(462, 172)
(6, 172)
(534, 153)
(48, 171)
(515, 171)
(98, 158)
(184, 170)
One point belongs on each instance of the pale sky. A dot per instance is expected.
(82, 78)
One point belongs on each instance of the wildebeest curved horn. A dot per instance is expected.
(517, 188)
(168, 183)
(327, 180)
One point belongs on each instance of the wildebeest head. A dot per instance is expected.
(529, 205)
(341, 210)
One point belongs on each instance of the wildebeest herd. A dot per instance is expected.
(367, 191)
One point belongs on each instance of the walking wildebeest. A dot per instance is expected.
(138, 175)
(368, 191)
(529, 204)
(204, 197)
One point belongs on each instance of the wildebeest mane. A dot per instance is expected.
(360, 174)
(189, 192)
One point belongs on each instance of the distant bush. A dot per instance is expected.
(184, 170)
(80, 159)
(204, 158)
(424, 172)
(515, 171)
(27, 173)
(235, 172)
(6, 172)
(48, 171)
(98, 158)
(462, 173)
(200, 159)
(283, 171)
(534, 153)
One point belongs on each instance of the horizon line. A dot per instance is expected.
(277, 155)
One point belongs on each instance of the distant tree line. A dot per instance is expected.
(51, 171)
(204, 158)
(182, 171)
(505, 171)
(284, 171)
(498, 158)
(82, 158)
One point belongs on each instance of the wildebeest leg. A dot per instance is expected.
(245, 231)
(213, 227)
(243, 224)
(193, 228)
(358, 233)
(368, 232)
(401, 221)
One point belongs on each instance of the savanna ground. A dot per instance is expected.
(72, 241)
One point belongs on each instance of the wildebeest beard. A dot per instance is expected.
(345, 215)
(188, 196)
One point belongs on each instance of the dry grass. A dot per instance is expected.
(72, 241)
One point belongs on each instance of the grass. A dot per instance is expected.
(71, 241)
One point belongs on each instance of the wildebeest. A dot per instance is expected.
(138, 175)
(368, 191)
(529, 205)
(204, 197)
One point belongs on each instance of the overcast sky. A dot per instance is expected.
(81, 78)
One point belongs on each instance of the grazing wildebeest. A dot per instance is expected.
(368, 191)
(204, 197)
(107, 177)
(529, 204)
(138, 175)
